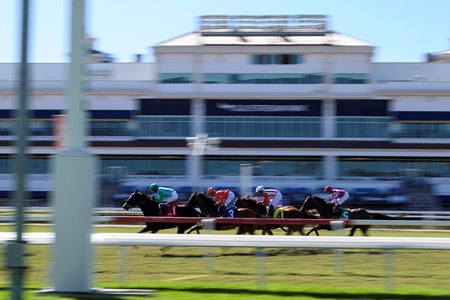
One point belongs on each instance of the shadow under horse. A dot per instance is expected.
(326, 211)
(210, 208)
(282, 212)
(150, 208)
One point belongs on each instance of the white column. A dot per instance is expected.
(195, 162)
(330, 168)
(74, 179)
(246, 179)
(328, 118)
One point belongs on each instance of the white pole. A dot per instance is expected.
(75, 181)
(246, 179)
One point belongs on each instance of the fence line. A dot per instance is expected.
(214, 240)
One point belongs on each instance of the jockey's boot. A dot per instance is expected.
(222, 210)
(163, 209)
(336, 212)
(270, 211)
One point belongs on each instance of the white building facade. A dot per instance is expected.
(304, 105)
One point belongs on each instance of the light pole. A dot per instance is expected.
(75, 183)
(15, 251)
(199, 144)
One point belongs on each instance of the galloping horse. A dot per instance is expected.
(150, 207)
(281, 212)
(326, 211)
(208, 207)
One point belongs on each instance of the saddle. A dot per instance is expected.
(169, 210)
(341, 213)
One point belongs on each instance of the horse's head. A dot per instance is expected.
(308, 204)
(312, 202)
(239, 202)
(134, 199)
(193, 201)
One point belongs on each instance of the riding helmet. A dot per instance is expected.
(328, 189)
(259, 189)
(153, 186)
(210, 191)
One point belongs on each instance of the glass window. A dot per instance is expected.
(420, 130)
(351, 78)
(265, 166)
(276, 59)
(391, 167)
(110, 128)
(263, 78)
(244, 126)
(163, 126)
(157, 165)
(364, 127)
(175, 78)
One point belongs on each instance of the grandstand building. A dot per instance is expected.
(303, 104)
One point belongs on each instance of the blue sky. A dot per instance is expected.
(401, 30)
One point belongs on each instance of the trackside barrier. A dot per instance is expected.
(274, 221)
(259, 242)
(255, 241)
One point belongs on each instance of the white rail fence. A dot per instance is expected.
(337, 243)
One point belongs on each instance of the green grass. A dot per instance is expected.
(236, 273)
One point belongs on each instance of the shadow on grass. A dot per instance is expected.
(318, 295)
(250, 293)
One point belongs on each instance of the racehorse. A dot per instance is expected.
(208, 207)
(150, 207)
(281, 212)
(326, 211)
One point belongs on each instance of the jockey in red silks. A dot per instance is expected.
(338, 196)
(223, 197)
(270, 197)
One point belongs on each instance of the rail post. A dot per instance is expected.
(338, 230)
(209, 225)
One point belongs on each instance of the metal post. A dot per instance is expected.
(338, 230)
(74, 181)
(389, 277)
(199, 144)
(15, 250)
(246, 179)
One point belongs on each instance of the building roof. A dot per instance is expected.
(329, 39)
(297, 30)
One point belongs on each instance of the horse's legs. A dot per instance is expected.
(196, 227)
(352, 231)
(365, 230)
(315, 229)
(145, 229)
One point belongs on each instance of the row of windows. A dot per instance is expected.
(287, 127)
(311, 166)
(245, 126)
(421, 130)
(264, 78)
(258, 78)
(277, 59)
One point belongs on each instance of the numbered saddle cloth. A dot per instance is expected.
(230, 212)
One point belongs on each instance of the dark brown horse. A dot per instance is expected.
(208, 207)
(150, 208)
(326, 211)
(281, 212)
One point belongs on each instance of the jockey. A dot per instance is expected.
(338, 197)
(163, 195)
(270, 197)
(223, 197)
